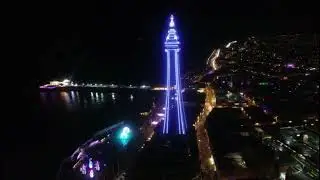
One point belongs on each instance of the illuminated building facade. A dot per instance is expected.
(175, 120)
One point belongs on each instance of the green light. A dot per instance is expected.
(125, 135)
(263, 83)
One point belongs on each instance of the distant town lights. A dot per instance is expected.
(211, 160)
(66, 81)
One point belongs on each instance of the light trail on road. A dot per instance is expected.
(207, 160)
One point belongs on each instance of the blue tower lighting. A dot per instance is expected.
(175, 120)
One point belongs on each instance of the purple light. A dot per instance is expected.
(165, 122)
(93, 144)
(291, 65)
(47, 87)
(83, 169)
(97, 166)
(177, 89)
(210, 72)
(91, 173)
(180, 99)
(172, 46)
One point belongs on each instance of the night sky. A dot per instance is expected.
(121, 42)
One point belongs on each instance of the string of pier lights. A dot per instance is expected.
(69, 83)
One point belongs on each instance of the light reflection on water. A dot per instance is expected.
(85, 99)
(72, 99)
(66, 98)
(73, 116)
(43, 96)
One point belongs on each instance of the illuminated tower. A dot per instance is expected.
(175, 121)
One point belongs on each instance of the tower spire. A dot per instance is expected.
(171, 24)
(172, 37)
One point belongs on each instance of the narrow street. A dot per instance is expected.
(207, 160)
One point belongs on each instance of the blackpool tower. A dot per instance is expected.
(175, 120)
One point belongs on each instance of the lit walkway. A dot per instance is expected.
(208, 165)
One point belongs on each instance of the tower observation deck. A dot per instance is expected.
(175, 120)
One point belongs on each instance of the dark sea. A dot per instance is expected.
(72, 117)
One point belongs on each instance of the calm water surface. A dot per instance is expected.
(73, 116)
